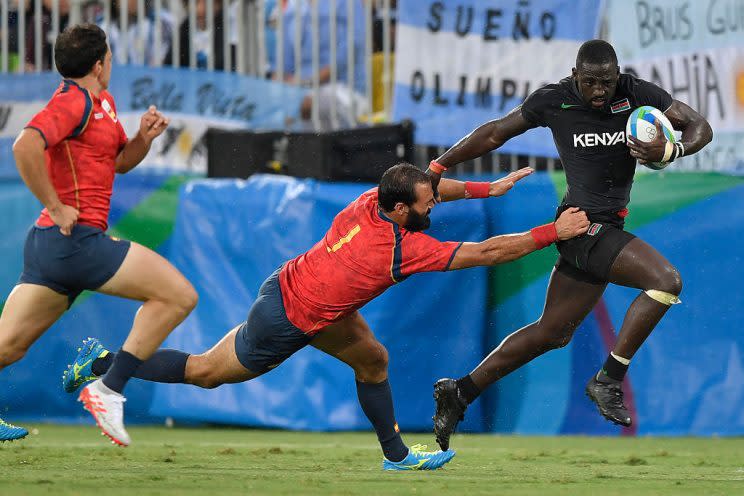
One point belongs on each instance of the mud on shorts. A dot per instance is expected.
(589, 257)
(85, 259)
(267, 337)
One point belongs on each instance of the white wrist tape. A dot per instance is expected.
(668, 150)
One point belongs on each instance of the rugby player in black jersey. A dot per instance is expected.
(586, 113)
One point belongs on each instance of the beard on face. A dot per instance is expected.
(417, 222)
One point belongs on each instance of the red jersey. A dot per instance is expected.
(361, 255)
(83, 137)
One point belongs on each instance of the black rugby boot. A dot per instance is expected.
(450, 410)
(608, 396)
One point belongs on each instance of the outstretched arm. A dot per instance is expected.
(484, 139)
(452, 189)
(505, 248)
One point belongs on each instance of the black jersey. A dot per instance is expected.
(591, 143)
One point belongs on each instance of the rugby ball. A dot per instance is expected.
(642, 125)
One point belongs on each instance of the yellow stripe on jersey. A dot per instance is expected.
(74, 175)
(341, 242)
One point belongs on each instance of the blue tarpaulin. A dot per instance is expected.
(229, 235)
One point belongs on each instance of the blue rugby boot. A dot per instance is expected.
(80, 371)
(10, 432)
(419, 459)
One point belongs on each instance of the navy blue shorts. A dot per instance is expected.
(86, 259)
(267, 337)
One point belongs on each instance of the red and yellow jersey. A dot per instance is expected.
(361, 255)
(83, 137)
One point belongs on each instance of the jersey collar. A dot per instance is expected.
(384, 217)
(96, 99)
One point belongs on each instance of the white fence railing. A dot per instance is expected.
(341, 50)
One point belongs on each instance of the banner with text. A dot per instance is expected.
(694, 50)
(460, 65)
(193, 100)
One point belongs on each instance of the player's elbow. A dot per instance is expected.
(708, 132)
(120, 166)
(495, 139)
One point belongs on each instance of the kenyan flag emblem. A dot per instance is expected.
(620, 106)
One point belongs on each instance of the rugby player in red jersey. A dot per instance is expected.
(374, 243)
(67, 155)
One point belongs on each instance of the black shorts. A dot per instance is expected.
(85, 259)
(267, 337)
(589, 257)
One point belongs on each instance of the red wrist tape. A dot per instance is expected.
(437, 167)
(477, 189)
(544, 235)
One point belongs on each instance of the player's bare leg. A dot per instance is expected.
(210, 369)
(219, 365)
(567, 303)
(168, 298)
(167, 295)
(640, 266)
(353, 342)
(29, 311)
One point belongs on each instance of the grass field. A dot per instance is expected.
(76, 460)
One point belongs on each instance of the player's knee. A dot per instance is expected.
(210, 382)
(560, 340)
(190, 298)
(186, 299)
(671, 281)
(200, 372)
(10, 353)
(374, 363)
(557, 335)
(666, 280)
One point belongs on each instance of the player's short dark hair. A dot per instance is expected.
(78, 48)
(596, 52)
(398, 184)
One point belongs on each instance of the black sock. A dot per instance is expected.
(101, 365)
(122, 369)
(377, 404)
(612, 369)
(163, 366)
(468, 388)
